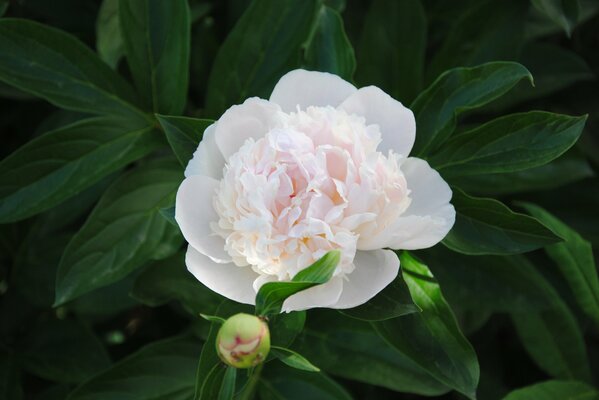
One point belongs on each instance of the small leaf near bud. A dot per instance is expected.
(243, 341)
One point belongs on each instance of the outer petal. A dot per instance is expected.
(427, 220)
(310, 88)
(318, 296)
(194, 212)
(227, 280)
(207, 159)
(374, 271)
(252, 119)
(396, 122)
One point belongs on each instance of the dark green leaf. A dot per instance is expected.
(227, 390)
(508, 144)
(563, 12)
(555, 390)
(553, 67)
(328, 49)
(160, 371)
(168, 213)
(564, 170)
(63, 351)
(264, 44)
(285, 327)
(351, 349)
(109, 40)
(271, 295)
(574, 258)
(183, 134)
(391, 48)
(393, 301)
(281, 382)
(167, 280)
(432, 338)
(156, 35)
(3, 7)
(487, 226)
(456, 91)
(293, 359)
(63, 162)
(56, 66)
(124, 231)
(470, 42)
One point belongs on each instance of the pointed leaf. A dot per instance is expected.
(328, 49)
(487, 226)
(508, 144)
(432, 338)
(56, 66)
(574, 258)
(124, 231)
(63, 162)
(157, 35)
(293, 359)
(455, 91)
(272, 295)
(183, 134)
(264, 44)
(555, 390)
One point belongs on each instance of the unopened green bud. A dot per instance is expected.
(243, 341)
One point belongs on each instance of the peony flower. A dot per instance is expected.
(321, 165)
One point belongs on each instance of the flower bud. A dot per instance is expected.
(243, 341)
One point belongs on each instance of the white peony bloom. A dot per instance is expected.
(322, 165)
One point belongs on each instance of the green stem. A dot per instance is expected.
(250, 388)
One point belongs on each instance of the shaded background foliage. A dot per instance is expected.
(95, 299)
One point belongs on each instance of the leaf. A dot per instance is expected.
(169, 279)
(183, 134)
(470, 42)
(564, 13)
(271, 295)
(279, 382)
(456, 91)
(227, 389)
(56, 66)
(61, 163)
(574, 258)
(554, 68)
(285, 327)
(293, 359)
(328, 49)
(393, 301)
(213, 318)
(160, 371)
(392, 46)
(351, 349)
(508, 144)
(564, 170)
(264, 44)
(432, 338)
(109, 40)
(168, 213)
(124, 231)
(156, 35)
(555, 390)
(487, 226)
(63, 351)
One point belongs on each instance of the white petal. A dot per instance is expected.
(207, 159)
(324, 295)
(227, 280)
(429, 217)
(396, 122)
(252, 119)
(194, 212)
(374, 270)
(310, 88)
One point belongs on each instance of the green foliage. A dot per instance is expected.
(96, 301)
